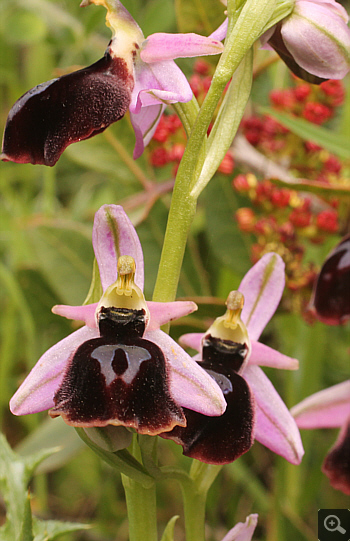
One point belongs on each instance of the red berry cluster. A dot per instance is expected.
(169, 139)
(282, 219)
(317, 104)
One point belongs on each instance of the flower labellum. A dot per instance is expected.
(225, 351)
(330, 408)
(314, 40)
(119, 378)
(230, 352)
(336, 465)
(135, 74)
(330, 300)
(119, 369)
(77, 106)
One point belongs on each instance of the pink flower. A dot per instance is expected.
(314, 40)
(330, 408)
(231, 353)
(135, 73)
(243, 531)
(119, 368)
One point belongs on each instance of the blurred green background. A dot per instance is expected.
(46, 259)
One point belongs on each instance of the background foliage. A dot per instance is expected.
(46, 259)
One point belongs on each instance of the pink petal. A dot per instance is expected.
(158, 82)
(114, 235)
(163, 312)
(145, 123)
(161, 46)
(84, 313)
(275, 427)
(192, 340)
(38, 389)
(334, 6)
(265, 356)
(318, 39)
(262, 288)
(191, 387)
(328, 408)
(220, 33)
(243, 531)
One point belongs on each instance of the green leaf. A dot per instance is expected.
(15, 475)
(168, 534)
(227, 121)
(65, 256)
(228, 245)
(52, 432)
(335, 143)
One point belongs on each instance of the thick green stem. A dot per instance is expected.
(194, 511)
(142, 515)
(141, 500)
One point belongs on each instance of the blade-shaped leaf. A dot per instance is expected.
(306, 130)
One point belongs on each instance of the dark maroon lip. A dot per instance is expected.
(74, 107)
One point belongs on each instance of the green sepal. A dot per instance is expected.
(95, 291)
(122, 461)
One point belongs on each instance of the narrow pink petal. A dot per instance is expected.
(243, 531)
(163, 312)
(160, 82)
(262, 288)
(191, 387)
(318, 39)
(84, 313)
(192, 340)
(220, 33)
(275, 427)
(114, 235)
(328, 408)
(265, 356)
(161, 46)
(145, 124)
(38, 389)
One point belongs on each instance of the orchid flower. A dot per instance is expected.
(330, 301)
(231, 353)
(135, 73)
(243, 531)
(119, 368)
(314, 40)
(330, 408)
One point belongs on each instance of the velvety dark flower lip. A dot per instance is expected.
(135, 73)
(330, 301)
(254, 408)
(330, 408)
(118, 379)
(77, 106)
(185, 383)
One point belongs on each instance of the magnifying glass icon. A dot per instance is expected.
(332, 524)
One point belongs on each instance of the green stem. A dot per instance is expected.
(194, 511)
(140, 499)
(247, 29)
(142, 516)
